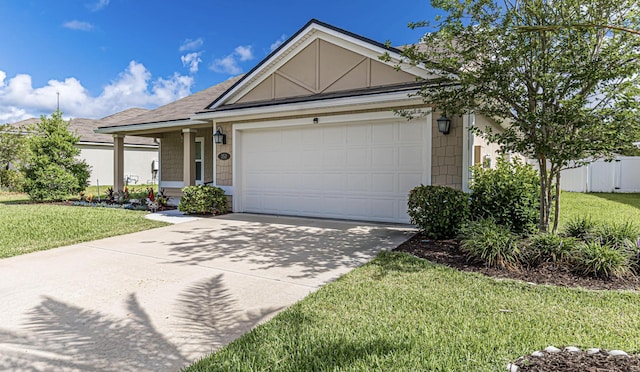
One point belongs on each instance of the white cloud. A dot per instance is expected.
(99, 5)
(278, 42)
(192, 60)
(189, 44)
(134, 87)
(230, 64)
(227, 65)
(244, 52)
(78, 25)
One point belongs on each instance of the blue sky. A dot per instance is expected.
(104, 56)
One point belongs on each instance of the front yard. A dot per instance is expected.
(403, 313)
(26, 227)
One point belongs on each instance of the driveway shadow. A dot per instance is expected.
(209, 313)
(60, 336)
(310, 246)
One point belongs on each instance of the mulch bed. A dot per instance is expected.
(579, 362)
(448, 252)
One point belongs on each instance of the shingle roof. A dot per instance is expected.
(85, 127)
(181, 109)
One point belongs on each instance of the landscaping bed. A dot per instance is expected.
(448, 252)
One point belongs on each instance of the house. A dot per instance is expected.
(311, 131)
(141, 154)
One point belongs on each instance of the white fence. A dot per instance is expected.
(620, 175)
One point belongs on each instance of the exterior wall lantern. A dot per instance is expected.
(444, 124)
(219, 137)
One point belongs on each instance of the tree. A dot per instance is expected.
(563, 94)
(12, 155)
(52, 169)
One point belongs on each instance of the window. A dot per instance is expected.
(199, 162)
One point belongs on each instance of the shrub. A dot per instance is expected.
(509, 194)
(548, 247)
(493, 244)
(438, 211)
(582, 228)
(52, 169)
(49, 182)
(618, 234)
(11, 179)
(602, 260)
(203, 199)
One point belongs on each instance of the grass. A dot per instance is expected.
(27, 227)
(402, 313)
(602, 207)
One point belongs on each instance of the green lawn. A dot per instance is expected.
(606, 207)
(401, 313)
(26, 227)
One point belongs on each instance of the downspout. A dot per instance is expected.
(468, 120)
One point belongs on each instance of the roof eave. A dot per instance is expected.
(122, 129)
(334, 105)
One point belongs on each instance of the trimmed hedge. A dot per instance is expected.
(203, 199)
(509, 194)
(438, 211)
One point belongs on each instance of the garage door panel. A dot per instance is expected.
(334, 159)
(410, 157)
(355, 171)
(407, 181)
(359, 182)
(384, 158)
(384, 183)
(312, 159)
(359, 158)
(310, 138)
(383, 135)
(358, 135)
(334, 182)
(357, 208)
(310, 181)
(334, 136)
(385, 209)
(331, 206)
(410, 132)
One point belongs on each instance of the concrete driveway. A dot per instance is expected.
(159, 299)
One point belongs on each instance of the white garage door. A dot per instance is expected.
(360, 171)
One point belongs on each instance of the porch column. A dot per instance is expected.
(118, 162)
(189, 158)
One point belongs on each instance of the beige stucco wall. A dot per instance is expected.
(446, 154)
(137, 163)
(486, 150)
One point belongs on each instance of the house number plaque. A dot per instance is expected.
(224, 156)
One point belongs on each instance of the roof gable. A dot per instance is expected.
(319, 59)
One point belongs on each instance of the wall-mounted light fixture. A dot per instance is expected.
(315, 120)
(219, 137)
(444, 124)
